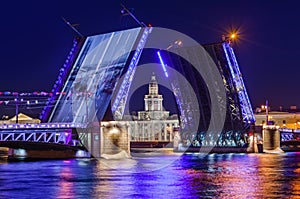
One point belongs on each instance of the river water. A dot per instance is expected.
(155, 175)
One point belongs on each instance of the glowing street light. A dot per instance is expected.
(233, 36)
(230, 37)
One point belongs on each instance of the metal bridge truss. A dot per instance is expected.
(54, 137)
(63, 74)
(223, 139)
(40, 133)
(239, 112)
(119, 104)
(246, 109)
(232, 99)
(178, 97)
(289, 134)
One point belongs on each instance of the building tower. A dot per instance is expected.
(154, 123)
(153, 103)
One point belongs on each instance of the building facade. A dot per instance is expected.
(22, 119)
(281, 119)
(154, 123)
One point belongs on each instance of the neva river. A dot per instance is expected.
(156, 176)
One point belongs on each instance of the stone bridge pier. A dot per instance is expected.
(109, 139)
(271, 137)
(115, 140)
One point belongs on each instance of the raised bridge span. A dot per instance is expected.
(102, 65)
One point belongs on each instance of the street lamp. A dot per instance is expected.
(230, 38)
(233, 35)
(267, 112)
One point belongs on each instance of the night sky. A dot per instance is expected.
(35, 41)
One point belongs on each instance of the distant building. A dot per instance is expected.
(154, 123)
(293, 107)
(281, 119)
(22, 119)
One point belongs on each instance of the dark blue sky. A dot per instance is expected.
(35, 41)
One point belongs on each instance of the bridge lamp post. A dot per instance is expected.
(233, 36)
(17, 107)
(230, 38)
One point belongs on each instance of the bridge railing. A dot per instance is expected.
(42, 126)
(55, 133)
(54, 137)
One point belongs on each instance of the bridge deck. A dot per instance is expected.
(44, 136)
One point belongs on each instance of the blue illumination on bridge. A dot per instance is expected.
(245, 104)
(162, 64)
(42, 126)
(94, 76)
(90, 77)
(43, 133)
(118, 107)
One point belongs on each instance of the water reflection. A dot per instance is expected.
(189, 176)
(152, 183)
(141, 162)
(66, 186)
(292, 172)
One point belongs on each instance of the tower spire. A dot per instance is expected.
(153, 101)
(153, 86)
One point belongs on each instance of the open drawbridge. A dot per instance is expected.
(96, 78)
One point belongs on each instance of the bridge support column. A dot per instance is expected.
(92, 141)
(3, 151)
(115, 142)
(271, 137)
(17, 153)
(177, 139)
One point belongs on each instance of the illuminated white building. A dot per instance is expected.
(281, 119)
(154, 123)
